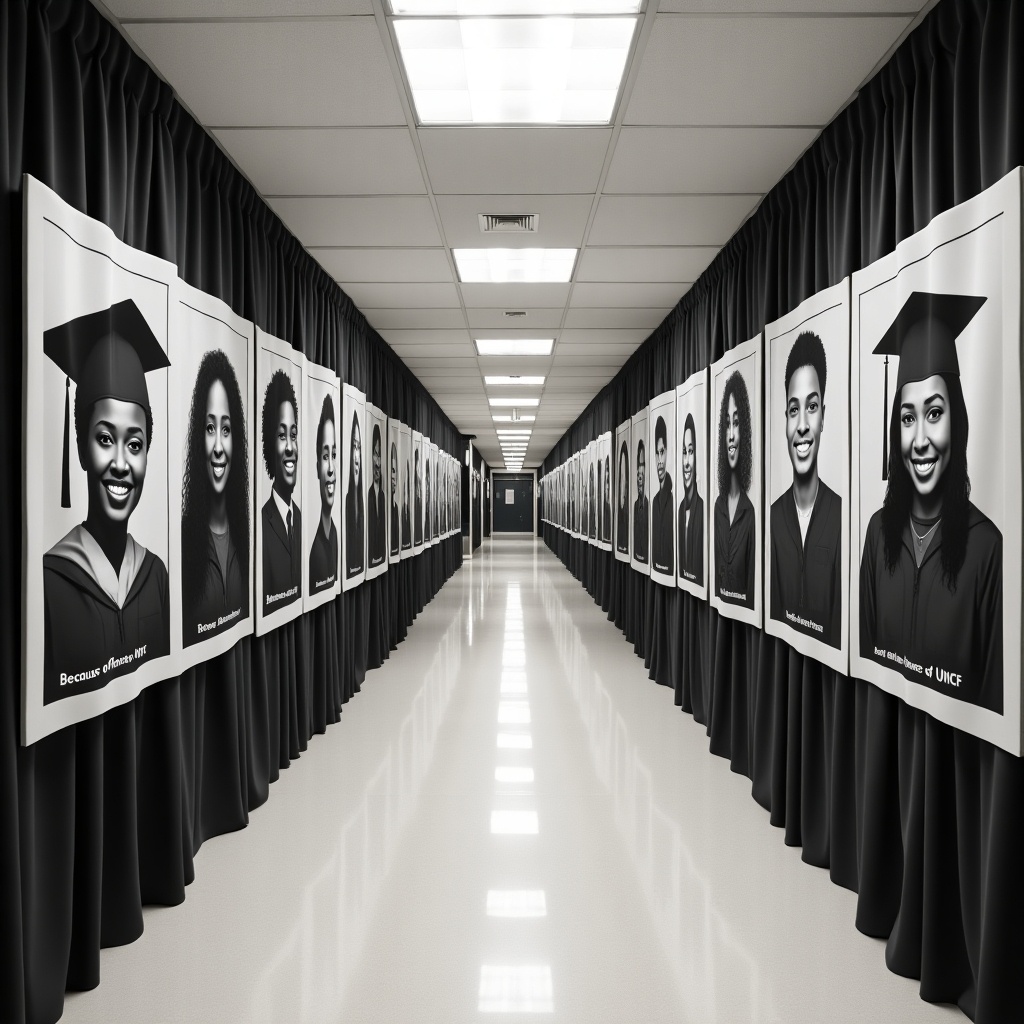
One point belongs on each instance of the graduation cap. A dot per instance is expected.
(923, 337)
(107, 354)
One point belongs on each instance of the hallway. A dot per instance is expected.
(509, 818)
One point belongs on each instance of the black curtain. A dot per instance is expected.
(924, 822)
(104, 817)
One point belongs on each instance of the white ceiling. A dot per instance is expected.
(721, 98)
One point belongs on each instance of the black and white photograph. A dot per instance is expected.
(394, 448)
(321, 458)
(353, 534)
(211, 446)
(376, 493)
(623, 492)
(280, 405)
(640, 515)
(435, 491)
(807, 472)
(661, 424)
(97, 603)
(604, 476)
(418, 504)
(935, 595)
(691, 490)
(590, 498)
(735, 569)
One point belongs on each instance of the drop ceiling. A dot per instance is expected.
(720, 99)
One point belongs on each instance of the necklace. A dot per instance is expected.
(922, 537)
(799, 511)
(921, 541)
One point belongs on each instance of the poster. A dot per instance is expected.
(735, 567)
(395, 492)
(807, 472)
(212, 378)
(98, 514)
(604, 475)
(434, 490)
(623, 492)
(418, 512)
(376, 495)
(590, 499)
(640, 516)
(280, 388)
(662, 448)
(935, 597)
(353, 536)
(692, 485)
(321, 448)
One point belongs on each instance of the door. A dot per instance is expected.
(513, 504)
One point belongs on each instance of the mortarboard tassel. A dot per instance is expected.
(885, 424)
(65, 480)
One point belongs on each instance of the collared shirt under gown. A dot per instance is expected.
(691, 541)
(282, 556)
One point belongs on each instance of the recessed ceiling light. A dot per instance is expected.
(504, 380)
(514, 266)
(480, 7)
(511, 403)
(514, 346)
(497, 418)
(505, 432)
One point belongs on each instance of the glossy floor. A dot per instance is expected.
(509, 820)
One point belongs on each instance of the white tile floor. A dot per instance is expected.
(510, 819)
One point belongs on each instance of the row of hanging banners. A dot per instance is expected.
(157, 422)
(892, 549)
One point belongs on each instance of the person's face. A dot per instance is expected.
(732, 434)
(925, 432)
(287, 448)
(114, 458)
(641, 472)
(357, 453)
(659, 459)
(375, 455)
(805, 418)
(394, 470)
(217, 438)
(327, 465)
(688, 459)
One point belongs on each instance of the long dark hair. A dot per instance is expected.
(624, 454)
(352, 487)
(195, 491)
(737, 387)
(955, 484)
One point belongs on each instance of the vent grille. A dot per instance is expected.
(514, 314)
(505, 223)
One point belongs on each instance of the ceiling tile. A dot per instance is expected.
(792, 6)
(662, 263)
(678, 160)
(271, 73)
(404, 351)
(391, 220)
(395, 338)
(545, 161)
(669, 220)
(378, 296)
(514, 296)
(616, 318)
(369, 265)
(414, 318)
(645, 295)
(563, 220)
(326, 161)
(755, 70)
(494, 321)
(234, 8)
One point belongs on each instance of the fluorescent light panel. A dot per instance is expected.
(511, 380)
(425, 8)
(514, 266)
(513, 432)
(508, 419)
(513, 403)
(514, 346)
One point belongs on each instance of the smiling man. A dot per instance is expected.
(806, 521)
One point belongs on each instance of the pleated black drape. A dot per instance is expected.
(101, 818)
(924, 822)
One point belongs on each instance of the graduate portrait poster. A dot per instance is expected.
(590, 492)
(433, 490)
(640, 516)
(807, 472)
(691, 490)
(281, 550)
(394, 491)
(735, 564)
(935, 597)
(418, 452)
(623, 492)
(604, 476)
(353, 533)
(321, 459)
(661, 448)
(405, 488)
(97, 513)
(376, 494)
(212, 468)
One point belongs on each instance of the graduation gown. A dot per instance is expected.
(84, 631)
(735, 551)
(282, 557)
(622, 529)
(691, 542)
(375, 527)
(406, 528)
(641, 508)
(663, 558)
(807, 576)
(353, 535)
(221, 595)
(395, 537)
(606, 522)
(950, 642)
(323, 559)
(418, 520)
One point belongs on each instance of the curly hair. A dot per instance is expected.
(326, 416)
(807, 350)
(279, 391)
(195, 492)
(955, 484)
(736, 388)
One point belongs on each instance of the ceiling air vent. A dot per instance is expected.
(508, 222)
(514, 314)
